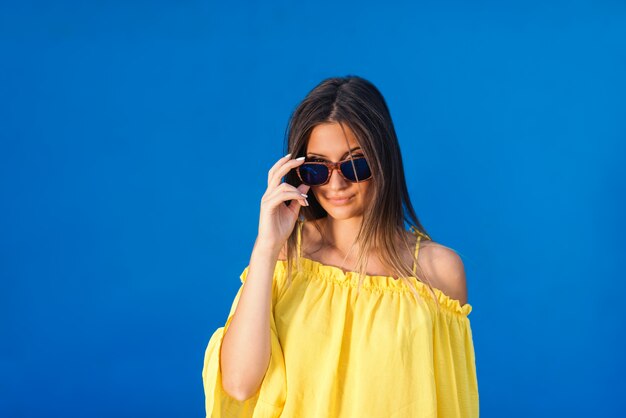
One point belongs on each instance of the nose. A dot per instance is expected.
(336, 181)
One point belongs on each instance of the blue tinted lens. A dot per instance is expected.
(313, 174)
(362, 169)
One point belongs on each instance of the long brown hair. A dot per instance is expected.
(358, 104)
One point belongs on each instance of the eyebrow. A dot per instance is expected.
(320, 155)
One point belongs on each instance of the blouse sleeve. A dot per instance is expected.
(269, 399)
(454, 365)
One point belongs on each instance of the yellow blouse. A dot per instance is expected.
(383, 355)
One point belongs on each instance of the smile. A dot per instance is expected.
(341, 201)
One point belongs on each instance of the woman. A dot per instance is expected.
(339, 313)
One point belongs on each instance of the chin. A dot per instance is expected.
(342, 213)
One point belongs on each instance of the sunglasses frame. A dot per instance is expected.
(334, 166)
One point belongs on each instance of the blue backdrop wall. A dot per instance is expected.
(135, 142)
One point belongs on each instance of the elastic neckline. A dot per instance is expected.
(317, 269)
(314, 270)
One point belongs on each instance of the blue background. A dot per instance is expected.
(135, 142)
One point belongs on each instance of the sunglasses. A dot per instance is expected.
(317, 173)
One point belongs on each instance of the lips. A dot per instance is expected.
(338, 200)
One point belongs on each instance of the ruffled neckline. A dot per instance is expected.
(317, 269)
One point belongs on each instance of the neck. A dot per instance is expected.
(341, 234)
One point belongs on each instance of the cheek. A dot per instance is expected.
(363, 188)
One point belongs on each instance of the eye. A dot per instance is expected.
(354, 156)
(321, 160)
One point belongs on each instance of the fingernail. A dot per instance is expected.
(304, 195)
(300, 158)
(288, 155)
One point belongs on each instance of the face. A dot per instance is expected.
(340, 198)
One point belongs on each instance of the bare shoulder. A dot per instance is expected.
(445, 269)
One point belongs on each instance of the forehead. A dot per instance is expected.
(330, 140)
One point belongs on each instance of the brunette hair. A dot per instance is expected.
(356, 103)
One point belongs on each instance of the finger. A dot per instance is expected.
(303, 188)
(270, 193)
(277, 164)
(283, 196)
(297, 204)
(278, 174)
(284, 169)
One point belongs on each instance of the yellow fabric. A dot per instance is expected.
(383, 355)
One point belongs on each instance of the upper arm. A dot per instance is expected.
(449, 273)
